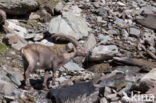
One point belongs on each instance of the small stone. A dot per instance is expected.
(113, 32)
(134, 32)
(120, 3)
(103, 100)
(111, 96)
(107, 91)
(124, 33)
(34, 16)
(91, 42)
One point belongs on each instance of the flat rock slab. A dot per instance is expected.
(79, 93)
(69, 24)
(149, 21)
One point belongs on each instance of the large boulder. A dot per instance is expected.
(148, 20)
(103, 52)
(84, 92)
(18, 7)
(69, 24)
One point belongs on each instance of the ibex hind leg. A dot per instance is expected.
(46, 75)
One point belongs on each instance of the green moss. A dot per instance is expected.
(3, 48)
(2, 34)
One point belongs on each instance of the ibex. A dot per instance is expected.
(48, 57)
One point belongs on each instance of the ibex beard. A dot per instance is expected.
(48, 58)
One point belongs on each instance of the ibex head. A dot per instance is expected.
(79, 50)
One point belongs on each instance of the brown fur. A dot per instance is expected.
(47, 57)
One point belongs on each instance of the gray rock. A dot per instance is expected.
(103, 52)
(134, 32)
(149, 9)
(128, 69)
(59, 7)
(149, 79)
(113, 32)
(124, 33)
(71, 66)
(83, 92)
(6, 88)
(104, 39)
(18, 7)
(9, 76)
(107, 91)
(16, 41)
(103, 100)
(120, 22)
(148, 38)
(149, 21)
(74, 10)
(69, 24)
(102, 12)
(91, 42)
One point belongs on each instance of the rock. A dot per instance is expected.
(149, 9)
(104, 39)
(61, 79)
(7, 88)
(18, 7)
(128, 69)
(120, 3)
(16, 29)
(16, 41)
(69, 24)
(149, 79)
(103, 100)
(113, 32)
(111, 96)
(100, 68)
(78, 93)
(34, 16)
(102, 52)
(44, 15)
(75, 10)
(134, 32)
(144, 64)
(120, 22)
(149, 38)
(90, 43)
(59, 7)
(148, 21)
(107, 91)
(9, 76)
(124, 33)
(114, 80)
(102, 12)
(71, 66)
(103, 1)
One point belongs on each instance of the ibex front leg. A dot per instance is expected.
(46, 75)
(27, 75)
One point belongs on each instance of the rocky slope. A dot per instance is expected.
(119, 36)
